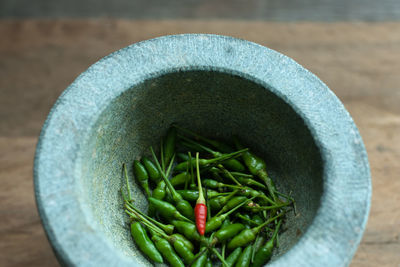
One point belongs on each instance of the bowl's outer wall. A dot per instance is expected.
(336, 230)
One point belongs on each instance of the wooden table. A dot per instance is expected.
(360, 62)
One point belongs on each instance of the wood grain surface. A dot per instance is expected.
(267, 10)
(360, 62)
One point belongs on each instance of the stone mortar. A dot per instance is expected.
(218, 86)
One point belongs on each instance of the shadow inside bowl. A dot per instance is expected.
(214, 104)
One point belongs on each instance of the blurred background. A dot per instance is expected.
(353, 46)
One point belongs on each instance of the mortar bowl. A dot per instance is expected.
(219, 87)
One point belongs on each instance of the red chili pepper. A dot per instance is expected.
(201, 216)
(200, 211)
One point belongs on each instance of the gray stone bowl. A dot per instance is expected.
(218, 86)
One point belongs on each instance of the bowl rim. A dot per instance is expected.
(334, 234)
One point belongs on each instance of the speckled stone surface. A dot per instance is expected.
(219, 86)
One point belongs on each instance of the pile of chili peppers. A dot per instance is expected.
(220, 207)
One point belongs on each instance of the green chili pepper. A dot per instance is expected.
(265, 252)
(217, 221)
(242, 178)
(228, 174)
(272, 207)
(227, 232)
(250, 192)
(182, 205)
(218, 202)
(183, 251)
(182, 246)
(215, 240)
(167, 251)
(257, 167)
(179, 243)
(245, 219)
(185, 241)
(254, 222)
(248, 235)
(180, 179)
(200, 261)
(167, 210)
(231, 164)
(226, 222)
(206, 162)
(245, 257)
(193, 187)
(233, 257)
(169, 145)
(189, 230)
(211, 183)
(257, 219)
(260, 240)
(215, 174)
(151, 169)
(242, 174)
(168, 228)
(193, 195)
(159, 192)
(214, 184)
(233, 202)
(183, 156)
(218, 145)
(141, 175)
(168, 198)
(250, 182)
(144, 243)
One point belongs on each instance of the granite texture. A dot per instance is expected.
(218, 86)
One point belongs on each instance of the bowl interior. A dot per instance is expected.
(214, 104)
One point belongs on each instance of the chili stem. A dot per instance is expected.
(219, 257)
(258, 228)
(270, 207)
(143, 219)
(229, 174)
(221, 146)
(146, 223)
(162, 155)
(245, 175)
(163, 175)
(247, 219)
(290, 198)
(237, 207)
(201, 196)
(221, 194)
(186, 180)
(198, 256)
(195, 145)
(191, 167)
(276, 230)
(124, 196)
(208, 205)
(145, 215)
(209, 141)
(227, 156)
